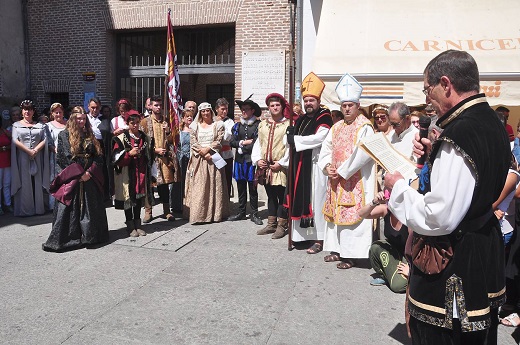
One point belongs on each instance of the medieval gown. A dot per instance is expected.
(207, 198)
(53, 131)
(29, 176)
(84, 221)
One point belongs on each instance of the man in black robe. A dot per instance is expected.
(469, 164)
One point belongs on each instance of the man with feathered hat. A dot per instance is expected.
(351, 180)
(309, 183)
(243, 137)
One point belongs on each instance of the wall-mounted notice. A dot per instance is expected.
(263, 72)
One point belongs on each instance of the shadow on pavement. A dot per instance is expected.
(400, 334)
(157, 224)
(9, 219)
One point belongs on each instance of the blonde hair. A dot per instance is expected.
(53, 107)
(76, 139)
(204, 106)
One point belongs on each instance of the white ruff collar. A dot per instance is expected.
(248, 122)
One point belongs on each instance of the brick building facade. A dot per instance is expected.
(68, 39)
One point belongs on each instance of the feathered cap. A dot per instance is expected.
(252, 104)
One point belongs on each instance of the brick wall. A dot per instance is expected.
(66, 41)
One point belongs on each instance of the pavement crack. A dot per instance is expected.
(285, 303)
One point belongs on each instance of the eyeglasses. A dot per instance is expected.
(428, 89)
(380, 117)
(396, 124)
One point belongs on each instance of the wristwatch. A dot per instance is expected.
(374, 204)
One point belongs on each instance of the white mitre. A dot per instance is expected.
(348, 89)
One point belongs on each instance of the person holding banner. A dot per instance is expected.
(157, 128)
(206, 197)
(469, 164)
(308, 192)
(351, 180)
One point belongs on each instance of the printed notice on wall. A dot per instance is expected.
(263, 72)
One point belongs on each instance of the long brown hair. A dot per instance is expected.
(75, 136)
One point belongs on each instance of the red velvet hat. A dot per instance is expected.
(131, 112)
(287, 111)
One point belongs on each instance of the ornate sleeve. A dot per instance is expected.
(120, 154)
(64, 156)
(216, 145)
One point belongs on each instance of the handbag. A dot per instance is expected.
(431, 254)
(260, 176)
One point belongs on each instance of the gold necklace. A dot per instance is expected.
(300, 130)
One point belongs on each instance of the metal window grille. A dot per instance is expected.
(141, 55)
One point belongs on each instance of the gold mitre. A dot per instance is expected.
(312, 86)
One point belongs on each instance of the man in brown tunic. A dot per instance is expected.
(163, 168)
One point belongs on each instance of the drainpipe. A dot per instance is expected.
(25, 19)
(299, 48)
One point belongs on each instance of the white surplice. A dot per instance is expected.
(351, 241)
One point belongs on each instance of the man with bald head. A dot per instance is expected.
(404, 132)
(191, 105)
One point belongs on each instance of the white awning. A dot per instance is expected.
(387, 44)
(497, 92)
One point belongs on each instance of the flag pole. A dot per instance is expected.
(166, 77)
(292, 67)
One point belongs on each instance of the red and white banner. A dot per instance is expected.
(173, 87)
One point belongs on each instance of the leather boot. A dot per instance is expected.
(270, 227)
(137, 223)
(281, 229)
(147, 214)
(256, 219)
(130, 227)
(166, 213)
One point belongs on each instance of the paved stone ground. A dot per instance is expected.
(185, 284)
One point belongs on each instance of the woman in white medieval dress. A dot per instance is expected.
(207, 198)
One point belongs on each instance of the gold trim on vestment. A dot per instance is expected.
(428, 307)
(479, 312)
(465, 106)
(496, 294)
